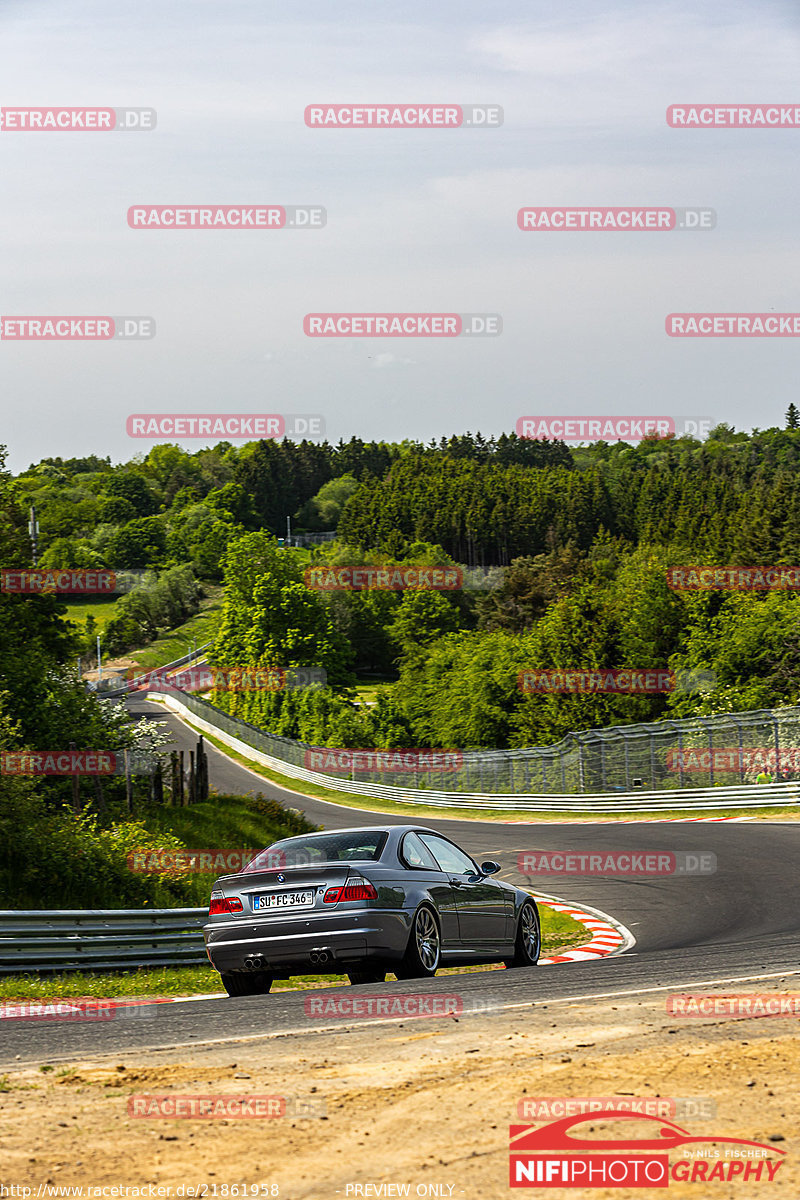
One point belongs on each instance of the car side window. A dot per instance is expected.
(448, 856)
(414, 854)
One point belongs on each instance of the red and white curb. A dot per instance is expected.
(608, 935)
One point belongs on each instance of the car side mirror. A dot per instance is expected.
(490, 868)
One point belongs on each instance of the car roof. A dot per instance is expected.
(364, 829)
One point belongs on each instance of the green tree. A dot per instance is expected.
(270, 618)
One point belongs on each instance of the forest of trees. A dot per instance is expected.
(566, 552)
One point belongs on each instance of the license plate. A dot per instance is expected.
(284, 900)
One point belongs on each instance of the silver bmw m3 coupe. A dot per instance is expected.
(361, 903)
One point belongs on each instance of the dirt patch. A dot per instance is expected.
(424, 1103)
(110, 667)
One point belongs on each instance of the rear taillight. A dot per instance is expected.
(222, 904)
(354, 889)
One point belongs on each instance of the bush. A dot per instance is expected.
(160, 602)
(51, 858)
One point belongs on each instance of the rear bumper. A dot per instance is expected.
(287, 943)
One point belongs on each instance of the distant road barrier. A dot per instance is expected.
(113, 692)
(278, 753)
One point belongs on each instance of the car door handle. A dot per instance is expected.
(457, 882)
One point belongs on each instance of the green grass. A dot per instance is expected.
(224, 822)
(367, 689)
(101, 609)
(175, 643)
(559, 932)
(370, 804)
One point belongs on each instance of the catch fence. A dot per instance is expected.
(729, 750)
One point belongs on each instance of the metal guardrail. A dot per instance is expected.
(115, 693)
(101, 939)
(212, 721)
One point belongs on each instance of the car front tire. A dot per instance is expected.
(254, 983)
(424, 951)
(528, 943)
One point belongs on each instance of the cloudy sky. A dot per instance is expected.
(418, 220)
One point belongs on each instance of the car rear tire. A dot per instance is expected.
(356, 977)
(528, 941)
(424, 951)
(254, 983)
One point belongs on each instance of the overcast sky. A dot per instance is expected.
(418, 220)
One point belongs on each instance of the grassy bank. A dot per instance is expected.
(175, 643)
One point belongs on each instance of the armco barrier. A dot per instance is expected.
(71, 940)
(212, 721)
(113, 693)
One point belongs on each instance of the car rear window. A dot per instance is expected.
(366, 845)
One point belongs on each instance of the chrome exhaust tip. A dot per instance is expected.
(254, 963)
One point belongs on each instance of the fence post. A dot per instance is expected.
(157, 784)
(776, 730)
(76, 791)
(128, 783)
(175, 786)
(99, 795)
(738, 725)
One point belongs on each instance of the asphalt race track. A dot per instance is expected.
(738, 925)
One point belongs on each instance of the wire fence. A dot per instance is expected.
(698, 752)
